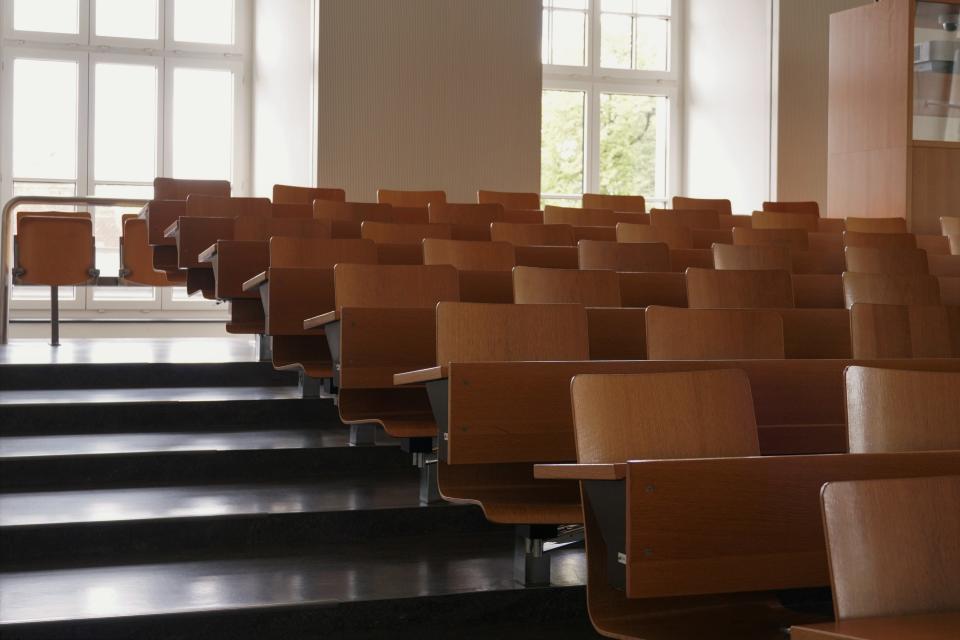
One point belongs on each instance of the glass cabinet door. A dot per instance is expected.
(936, 72)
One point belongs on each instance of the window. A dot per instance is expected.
(611, 98)
(100, 96)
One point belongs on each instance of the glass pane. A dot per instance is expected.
(568, 38)
(621, 6)
(45, 118)
(568, 4)
(616, 41)
(107, 225)
(202, 123)
(125, 122)
(127, 19)
(652, 38)
(633, 139)
(936, 72)
(562, 155)
(653, 7)
(48, 16)
(206, 21)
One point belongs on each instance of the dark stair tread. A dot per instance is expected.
(145, 395)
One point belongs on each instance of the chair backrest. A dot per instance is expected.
(589, 217)
(468, 332)
(885, 288)
(470, 255)
(879, 240)
(795, 239)
(954, 240)
(179, 189)
(781, 220)
(296, 210)
(674, 236)
(509, 199)
(404, 198)
(594, 288)
(256, 228)
(622, 256)
(877, 225)
(319, 253)
(831, 225)
(220, 207)
(394, 286)
(690, 218)
(893, 261)
(288, 194)
(354, 211)
(720, 206)
(54, 248)
(809, 208)
(137, 256)
(633, 204)
(479, 214)
(901, 331)
(943, 265)
(713, 334)
(731, 257)
(558, 235)
(710, 289)
(393, 233)
(893, 546)
(950, 225)
(649, 416)
(933, 244)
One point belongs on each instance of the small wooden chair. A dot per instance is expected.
(892, 547)
(713, 334)
(877, 225)
(621, 256)
(632, 204)
(179, 189)
(890, 261)
(883, 288)
(549, 235)
(711, 289)
(901, 331)
(405, 198)
(730, 257)
(509, 199)
(287, 194)
(782, 220)
(879, 240)
(674, 236)
(722, 207)
(136, 257)
(809, 208)
(593, 288)
(795, 239)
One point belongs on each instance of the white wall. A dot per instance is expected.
(283, 99)
(727, 111)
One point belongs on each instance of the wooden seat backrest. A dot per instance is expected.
(950, 225)
(710, 289)
(649, 416)
(731, 257)
(623, 256)
(890, 410)
(811, 208)
(885, 288)
(940, 265)
(54, 248)
(509, 199)
(721, 206)
(394, 233)
(795, 239)
(901, 331)
(219, 207)
(354, 211)
(781, 220)
(479, 214)
(894, 261)
(674, 236)
(255, 228)
(319, 253)
(288, 194)
(591, 288)
(469, 332)
(590, 217)
(821, 241)
(179, 189)
(644, 288)
(633, 204)
(394, 286)
(292, 210)
(933, 244)
(893, 546)
(877, 225)
(405, 198)
(713, 334)
(555, 235)
(470, 255)
(879, 240)
(137, 257)
(831, 225)
(954, 239)
(690, 218)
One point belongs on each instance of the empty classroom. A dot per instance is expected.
(408, 319)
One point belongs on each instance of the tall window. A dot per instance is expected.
(98, 97)
(611, 97)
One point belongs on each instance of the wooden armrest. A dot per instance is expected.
(208, 254)
(255, 281)
(321, 320)
(610, 471)
(172, 230)
(420, 376)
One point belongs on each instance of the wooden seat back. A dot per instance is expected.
(590, 217)
(690, 218)
(810, 208)
(179, 189)
(642, 289)
(879, 240)
(682, 259)
(819, 261)
(469, 255)
(632, 204)
(292, 210)
(466, 214)
(950, 225)
(604, 234)
(731, 257)
(877, 225)
(255, 228)
(940, 265)
(406, 198)
(650, 416)
(831, 225)
(136, 257)
(710, 289)
(319, 253)
(713, 334)
(933, 244)
(891, 261)
(783, 220)
(795, 239)
(893, 546)
(393, 286)
(205, 206)
(954, 244)
(289, 194)
(890, 410)
(901, 331)
(592, 288)
(553, 235)
(54, 248)
(509, 199)
(721, 206)
(884, 288)
(620, 256)
(674, 236)
(393, 233)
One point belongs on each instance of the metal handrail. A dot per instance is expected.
(6, 241)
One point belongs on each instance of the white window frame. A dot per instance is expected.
(594, 80)
(87, 49)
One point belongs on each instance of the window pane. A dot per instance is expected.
(562, 143)
(107, 225)
(616, 41)
(567, 4)
(651, 44)
(653, 7)
(202, 123)
(206, 21)
(568, 38)
(633, 138)
(45, 118)
(127, 19)
(125, 122)
(48, 16)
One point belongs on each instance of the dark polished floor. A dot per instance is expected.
(117, 350)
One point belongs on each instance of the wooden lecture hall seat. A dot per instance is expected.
(631, 204)
(510, 200)
(810, 208)
(136, 257)
(289, 194)
(403, 198)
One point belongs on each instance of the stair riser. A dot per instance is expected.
(138, 375)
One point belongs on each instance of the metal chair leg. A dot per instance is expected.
(54, 316)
